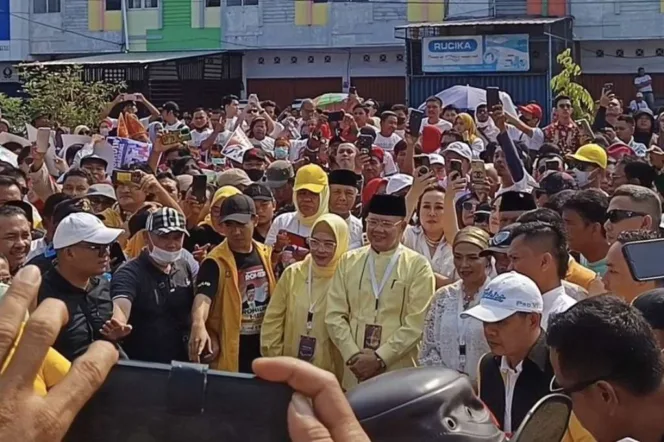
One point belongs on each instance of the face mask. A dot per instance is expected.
(582, 178)
(254, 174)
(164, 257)
(103, 132)
(280, 153)
(3, 289)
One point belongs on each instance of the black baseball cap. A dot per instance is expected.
(258, 192)
(239, 208)
(254, 154)
(69, 206)
(500, 242)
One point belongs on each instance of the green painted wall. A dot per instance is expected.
(177, 34)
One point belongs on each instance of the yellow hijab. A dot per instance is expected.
(314, 179)
(218, 199)
(341, 234)
(471, 128)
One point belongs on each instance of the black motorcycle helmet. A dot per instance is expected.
(423, 404)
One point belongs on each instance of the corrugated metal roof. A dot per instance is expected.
(127, 58)
(487, 22)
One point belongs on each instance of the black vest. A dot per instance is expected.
(533, 383)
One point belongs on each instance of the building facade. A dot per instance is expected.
(323, 44)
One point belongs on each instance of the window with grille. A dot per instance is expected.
(212, 3)
(138, 4)
(46, 6)
(242, 2)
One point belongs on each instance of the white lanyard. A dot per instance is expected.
(378, 289)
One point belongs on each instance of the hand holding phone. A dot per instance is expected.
(415, 118)
(477, 172)
(199, 188)
(43, 139)
(456, 166)
(492, 97)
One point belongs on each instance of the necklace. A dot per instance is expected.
(467, 299)
(432, 243)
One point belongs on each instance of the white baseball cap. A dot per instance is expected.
(505, 295)
(460, 148)
(83, 227)
(398, 182)
(434, 158)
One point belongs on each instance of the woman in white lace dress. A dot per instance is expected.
(449, 340)
(428, 237)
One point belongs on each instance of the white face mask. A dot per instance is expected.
(164, 257)
(582, 178)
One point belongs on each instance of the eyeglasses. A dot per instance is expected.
(101, 249)
(616, 215)
(383, 224)
(329, 246)
(574, 388)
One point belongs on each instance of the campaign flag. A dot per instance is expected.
(237, 145)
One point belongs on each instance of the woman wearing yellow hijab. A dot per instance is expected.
(465, 125)
(311, 195)
(294, 323)
(208, 232)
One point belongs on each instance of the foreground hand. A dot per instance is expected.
(318, 410)
(114, 330)
(24, 416)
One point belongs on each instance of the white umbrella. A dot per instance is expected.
(468, 98)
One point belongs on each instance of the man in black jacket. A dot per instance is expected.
(517, 373)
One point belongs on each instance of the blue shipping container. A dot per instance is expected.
(521, 87)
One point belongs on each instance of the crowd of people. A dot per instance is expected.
(356, 241)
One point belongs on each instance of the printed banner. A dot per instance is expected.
(488, 53)
(127, 152)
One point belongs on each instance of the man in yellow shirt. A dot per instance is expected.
(379, 297)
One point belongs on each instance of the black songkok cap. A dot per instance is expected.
(343, 177)
(390, 205)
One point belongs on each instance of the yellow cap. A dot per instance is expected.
(591, 153)
(310, 177)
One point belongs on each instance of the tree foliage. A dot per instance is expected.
(62, 95)
(565, 84)
(14, 111)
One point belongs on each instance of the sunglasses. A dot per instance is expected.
(101, 249)
(575, 388)
(616, 215)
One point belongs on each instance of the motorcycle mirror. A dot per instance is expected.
(547, 421)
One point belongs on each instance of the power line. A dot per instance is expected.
(46, 25)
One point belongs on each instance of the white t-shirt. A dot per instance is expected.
(555, 301)
(443, 125)
(296, 148)
(638, 81)
(197, 137)
(533, 143)
(266, 144)
(144, 121)
(387, 143)
(175, 126)
(288, 222)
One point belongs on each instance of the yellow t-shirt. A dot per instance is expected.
(54, 368)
